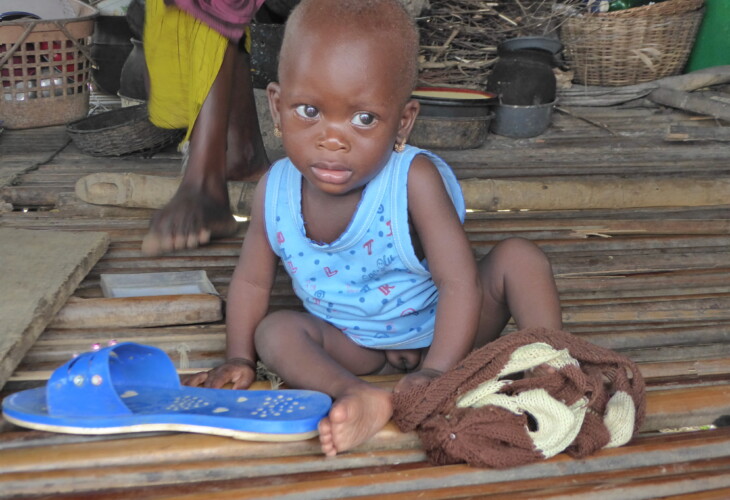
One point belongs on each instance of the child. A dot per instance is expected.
(368, 228)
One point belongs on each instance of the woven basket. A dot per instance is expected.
(45, 66)
(631, 46)
(121, 132)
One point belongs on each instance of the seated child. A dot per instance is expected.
(368, 228)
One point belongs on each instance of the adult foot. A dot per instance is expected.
(191, 218)
(354, 418)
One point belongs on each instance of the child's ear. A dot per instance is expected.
(273, 91)
(407, 119)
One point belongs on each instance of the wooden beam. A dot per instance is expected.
(146, 191)
(159, 310)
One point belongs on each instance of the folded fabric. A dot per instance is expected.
(227, 17)
(131, 387)
(525, 397)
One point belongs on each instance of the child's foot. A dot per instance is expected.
(354, 418)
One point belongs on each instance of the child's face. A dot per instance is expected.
(340, 106)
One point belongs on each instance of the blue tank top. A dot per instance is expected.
(369, 282)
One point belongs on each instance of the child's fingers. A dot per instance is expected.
(195, 380)
(244, 381)
(239, 376)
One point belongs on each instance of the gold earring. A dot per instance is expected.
(277, 131)
(400, 146)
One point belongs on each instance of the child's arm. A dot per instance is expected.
(247, 304)
(452, 266)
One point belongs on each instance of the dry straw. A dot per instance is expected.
(459, 38)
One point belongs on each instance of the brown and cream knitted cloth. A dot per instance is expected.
(526, 396)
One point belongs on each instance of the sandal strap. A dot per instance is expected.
(85, 385)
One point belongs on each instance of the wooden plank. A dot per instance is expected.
(24, 150)
(40, 270)
(613, 484)
(374, 484)
(644, 482)
(251, 469)
(686, 407)
(241, 469)
(157, 310)
(714, 308)
(712, 494)
(683, 133)
(639, 482)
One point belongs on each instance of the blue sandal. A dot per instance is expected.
(131, 387)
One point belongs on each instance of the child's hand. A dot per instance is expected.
(412, 380)
(238, 372)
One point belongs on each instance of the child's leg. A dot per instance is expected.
(309, 353)
(518, 282)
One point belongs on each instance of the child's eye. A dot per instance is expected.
(307, 111)
(363, 119)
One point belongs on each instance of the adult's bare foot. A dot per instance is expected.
(190, 219)
(354, 418)
(196, 214)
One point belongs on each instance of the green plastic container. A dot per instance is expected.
(712, 46)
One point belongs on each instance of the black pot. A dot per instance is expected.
(133, 80)
(135, 18)
(523, 75)
(110, 49)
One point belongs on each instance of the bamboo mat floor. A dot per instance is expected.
(653, 283)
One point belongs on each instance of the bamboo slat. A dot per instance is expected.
(181, 458)
(365, 473)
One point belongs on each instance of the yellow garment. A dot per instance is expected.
(183, 58)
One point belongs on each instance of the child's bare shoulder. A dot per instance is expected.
(423, 176)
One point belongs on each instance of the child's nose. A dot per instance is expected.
(334, 139)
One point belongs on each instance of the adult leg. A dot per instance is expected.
(225, 144)
(246, 155)
(518, 282)
(200, 208)
(309, 353)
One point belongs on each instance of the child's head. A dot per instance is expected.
(386, 21)
(346, 72)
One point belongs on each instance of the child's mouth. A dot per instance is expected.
(331, 175)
